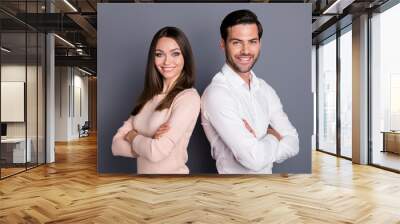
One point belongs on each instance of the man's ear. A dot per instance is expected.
(222, 43)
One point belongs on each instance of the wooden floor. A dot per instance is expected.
(10, 171)
(71, 191)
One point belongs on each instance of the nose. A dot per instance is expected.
(167, 60)
(245, 48)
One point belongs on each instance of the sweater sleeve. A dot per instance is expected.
(184, 112)
(120, 147)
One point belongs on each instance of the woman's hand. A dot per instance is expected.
(161, 130)
(131, 135)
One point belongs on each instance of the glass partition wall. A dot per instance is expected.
(385, 89)
(345, 62)
(22, 87)
(326, 60)
(334, 81)
(334, 89)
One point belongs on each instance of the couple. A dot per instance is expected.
(241, 114)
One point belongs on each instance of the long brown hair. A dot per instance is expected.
(153, 83)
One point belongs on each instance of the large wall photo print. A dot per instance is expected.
(195, 88)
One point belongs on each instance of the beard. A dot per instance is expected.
(237, 67)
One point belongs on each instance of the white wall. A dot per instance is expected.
(71, 93)
(16, 73)
(61, 103)
(33, 126)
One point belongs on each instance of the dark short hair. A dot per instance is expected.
(243, 16)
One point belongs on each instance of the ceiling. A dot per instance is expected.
(76, 22)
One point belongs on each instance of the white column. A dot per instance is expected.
(360, 90)
(50, 93)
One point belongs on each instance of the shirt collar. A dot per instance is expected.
(236, 80)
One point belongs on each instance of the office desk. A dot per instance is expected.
(15, 148)
(391, 141)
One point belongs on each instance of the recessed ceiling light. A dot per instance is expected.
(337, 7)
(5, 50)
(84, 71)
(70, 5)
(64, 40)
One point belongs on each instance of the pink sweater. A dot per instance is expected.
(168, 154)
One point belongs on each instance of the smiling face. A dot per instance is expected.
(242, 47)
(169, 60)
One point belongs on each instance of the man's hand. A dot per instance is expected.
(131, 135)
(248, 127)
(161, 130)
(273, 132)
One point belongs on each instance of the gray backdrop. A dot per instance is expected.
(124, 35)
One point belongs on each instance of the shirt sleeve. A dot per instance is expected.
(184, 112)
(222, 112)
(289, 144)
(119, 146)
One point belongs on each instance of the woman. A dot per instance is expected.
(157, 132)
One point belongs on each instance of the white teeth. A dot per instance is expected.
(245, 59)
(167, 69)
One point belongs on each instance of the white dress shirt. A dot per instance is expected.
(224, 104)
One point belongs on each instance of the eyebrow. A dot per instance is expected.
(175, 49)
(235, 39)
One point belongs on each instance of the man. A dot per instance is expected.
(242, 115)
